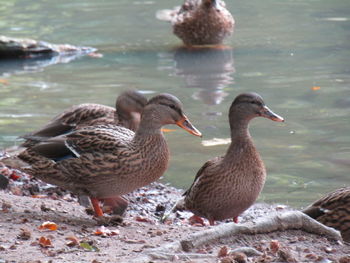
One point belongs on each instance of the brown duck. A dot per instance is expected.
(108, 161)
(333, 210)
(126, 113)
(226, 186)
(200, 22)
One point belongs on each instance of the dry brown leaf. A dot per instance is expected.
(223, 252)
(49, 226)
(45, 242)
(142, 219)
(72, 241)
(39, 196)
(14, 176)
(274, 246)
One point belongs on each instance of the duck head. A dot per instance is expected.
(166, 109)
(129, 106)
(250, 105)
(131, 101)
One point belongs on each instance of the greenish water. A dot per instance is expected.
(280, 49)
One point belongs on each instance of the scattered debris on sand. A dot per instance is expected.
(44, 223)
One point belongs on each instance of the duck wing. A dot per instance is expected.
(330, 203)
(201, 171)
(92, 139)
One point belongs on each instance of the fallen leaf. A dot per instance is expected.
(104, 231)
(142, 219)
(45, 242)
(39, 196)
(49, 226)
(223, 252)
(14, 176)
(72, 241)
(274, 246)
(314, 88)
(89, 247)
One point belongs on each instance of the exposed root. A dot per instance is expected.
(291, 220)
(276, 222)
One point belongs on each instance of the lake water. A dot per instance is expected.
(295, 53)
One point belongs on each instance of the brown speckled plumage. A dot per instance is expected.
(107, 161)
(126, 113)
(226, 186)
(202, 22)
(333, 210)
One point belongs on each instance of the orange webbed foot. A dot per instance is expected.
(96, 205)
(117, 204)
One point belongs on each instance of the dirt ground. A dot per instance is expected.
(27, 203)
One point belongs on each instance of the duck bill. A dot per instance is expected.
(216, 4)
(185, 124)
(267, 113)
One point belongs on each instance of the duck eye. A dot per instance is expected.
(172, 106)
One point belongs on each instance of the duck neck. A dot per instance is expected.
(150, 123)
(239, 128)
(240, 138)
(125, 119)
(119, 115)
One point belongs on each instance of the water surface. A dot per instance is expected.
(294, 53)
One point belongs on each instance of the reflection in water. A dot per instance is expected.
(36, 64)
(208, 69)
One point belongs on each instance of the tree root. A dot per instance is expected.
(295, 220)
(276, 222)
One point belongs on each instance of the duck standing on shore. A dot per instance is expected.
(226, 186)
(128, 107)
(107, 161)
(200, 22)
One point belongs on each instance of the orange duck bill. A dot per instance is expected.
(185, 124)
(267, 113)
